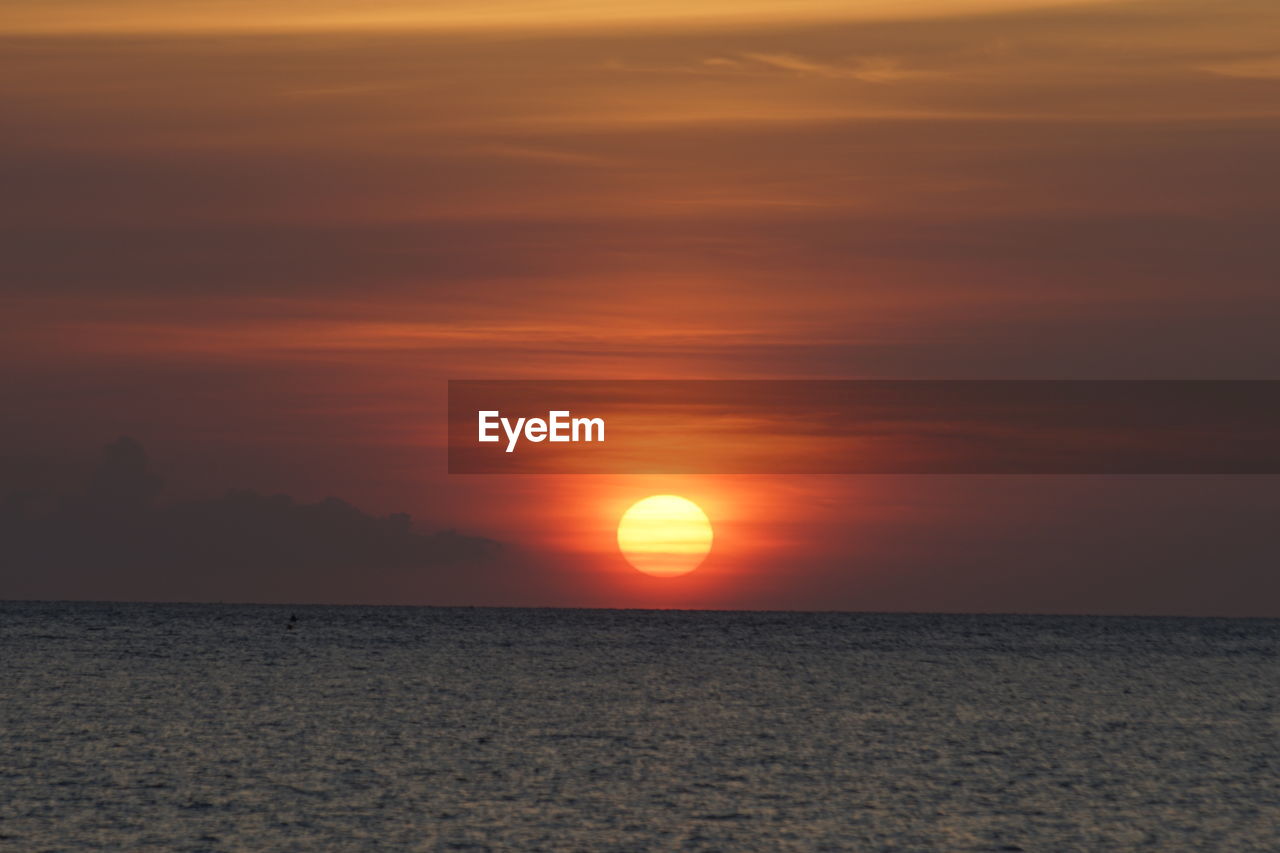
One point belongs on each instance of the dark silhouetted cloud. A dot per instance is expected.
(119, 535)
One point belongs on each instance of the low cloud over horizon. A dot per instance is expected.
(118, 538)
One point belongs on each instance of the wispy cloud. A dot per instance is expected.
(866, 69)
(1259, 67)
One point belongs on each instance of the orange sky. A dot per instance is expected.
(260, 236)
(133, 16)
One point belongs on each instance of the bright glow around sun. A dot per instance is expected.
(665, 535)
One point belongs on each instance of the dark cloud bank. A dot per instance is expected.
(118, 538)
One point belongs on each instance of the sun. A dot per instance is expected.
(665, 535)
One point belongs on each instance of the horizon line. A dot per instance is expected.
(729, 610)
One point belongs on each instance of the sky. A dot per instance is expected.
(257, 239)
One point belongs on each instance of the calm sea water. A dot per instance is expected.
(190, 727)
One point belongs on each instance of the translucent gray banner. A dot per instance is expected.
(864, 427)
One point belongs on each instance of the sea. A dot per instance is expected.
(168, 727)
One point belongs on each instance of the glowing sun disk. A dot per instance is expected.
(665, 535)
